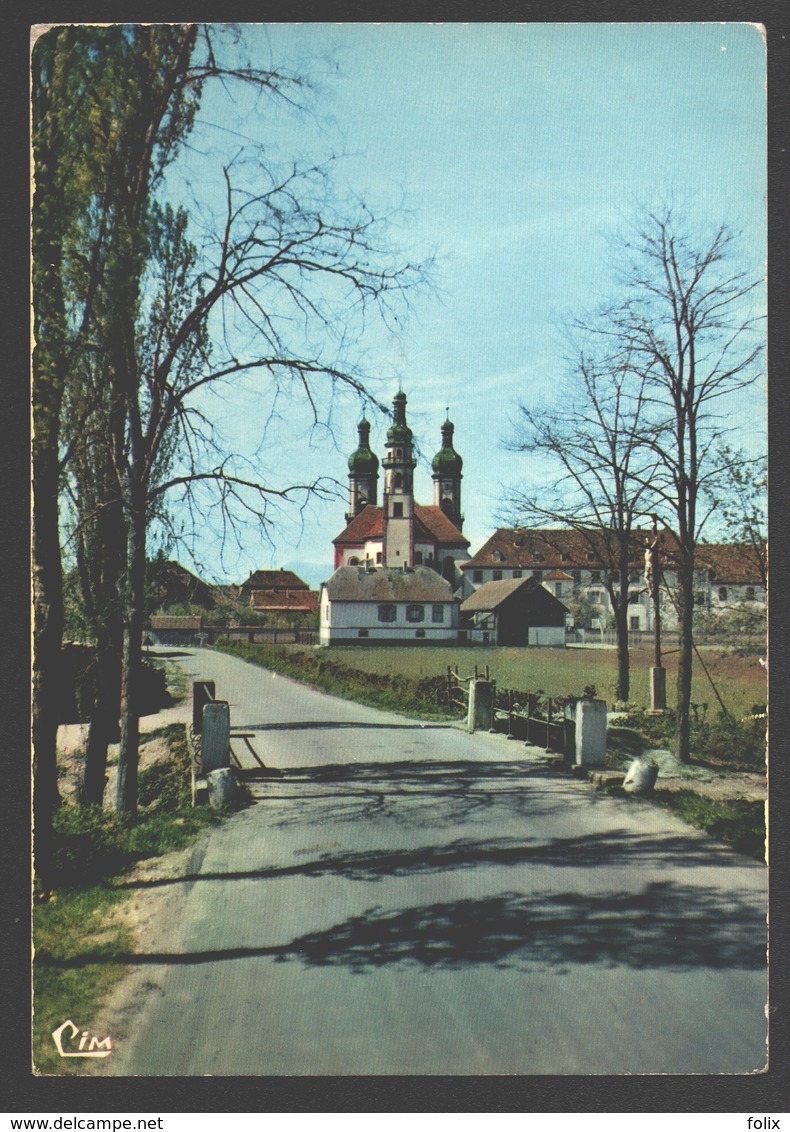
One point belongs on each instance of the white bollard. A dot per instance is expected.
(221, 784)
(590, 732)
(481, 706)
(641, 777)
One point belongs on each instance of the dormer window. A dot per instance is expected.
(498, 556)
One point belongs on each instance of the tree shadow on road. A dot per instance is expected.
(668, 926)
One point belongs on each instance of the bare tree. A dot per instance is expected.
(592, 449)
(687, 332)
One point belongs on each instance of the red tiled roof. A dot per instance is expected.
(430, 524)
(271, 601)
(176, 622)
(732, 563)
(557, 548)
(368, 524)
(274, 580)
(558, 576)
(439, 526)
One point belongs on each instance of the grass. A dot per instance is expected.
(73, 923)
(739, 823)
(81, 916)
(403, 679)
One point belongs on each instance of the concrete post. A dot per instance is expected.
(590, 732)
(481, 705)
(221, 784)
(215, 747)
(203, 692)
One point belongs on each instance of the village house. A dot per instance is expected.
(277, 592)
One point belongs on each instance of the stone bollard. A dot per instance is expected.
(203, 692)
(641, 777)
(221, 784)
(215, 745)
(590, 732)
(481, 706)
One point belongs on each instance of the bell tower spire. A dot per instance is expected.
(447, 476)
(363, 473)
(399, 465)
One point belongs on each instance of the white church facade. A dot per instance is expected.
(397, 565)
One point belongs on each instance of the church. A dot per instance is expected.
(397, 565)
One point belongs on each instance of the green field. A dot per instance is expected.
(740, 681)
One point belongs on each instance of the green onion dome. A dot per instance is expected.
(447, 461)
(363, 460)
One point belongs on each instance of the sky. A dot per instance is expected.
(516, 152)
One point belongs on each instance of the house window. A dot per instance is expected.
(699, 598)
(633, 599)
(595, 575)
(378, 558)
(353, 561)
(477, 575)
(397, 510)
(418, 558)
(420, 633)
(387, 612)
(634, 622)
(398, 481)
(558, 589)
(437, 614)
(498, 556)
(749, 593)
(722, 593)
(538, 556)
(497, 575)
(517, 573)
(576, 575)
(537, 574)
(415, 613)
(363, 633)
(590, 556)
(595, 598)
(564, 557)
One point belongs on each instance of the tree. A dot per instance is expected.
(593, 444)
(686, 333)
(741, 499)
(277, 289)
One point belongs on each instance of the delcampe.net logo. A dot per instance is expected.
(89, 1045)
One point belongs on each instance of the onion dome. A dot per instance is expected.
(399, 433)
(363, 461)
(447, 461)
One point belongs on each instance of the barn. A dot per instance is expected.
(519, 611)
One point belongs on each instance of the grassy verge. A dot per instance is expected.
(739, 823)
(82, 916)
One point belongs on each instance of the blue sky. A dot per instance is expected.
(516, 150)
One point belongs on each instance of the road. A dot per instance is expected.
(409, 899)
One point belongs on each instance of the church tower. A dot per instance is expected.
(447, 465)
(363, 473)
(399, 465)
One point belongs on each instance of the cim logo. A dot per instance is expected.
(86, 1048)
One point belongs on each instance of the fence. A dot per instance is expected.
(538, 720)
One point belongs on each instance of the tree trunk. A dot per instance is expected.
(685, 659)
(104, 719)
(623, 659)
(47, 665)
(134, 617)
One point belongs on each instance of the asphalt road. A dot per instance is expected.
(409, 899)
